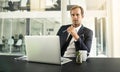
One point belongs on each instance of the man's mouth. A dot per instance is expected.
(75, 22)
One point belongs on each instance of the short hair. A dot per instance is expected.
(77, 6)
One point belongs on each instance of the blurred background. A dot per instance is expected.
(44, 17)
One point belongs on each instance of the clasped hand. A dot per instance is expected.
(72, 31)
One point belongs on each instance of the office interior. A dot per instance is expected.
(19, 18)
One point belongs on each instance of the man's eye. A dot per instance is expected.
(77, 14)
(73, 15)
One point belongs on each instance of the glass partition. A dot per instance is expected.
(13, 31)
(12, 35)
(44, 26)
(100, 34)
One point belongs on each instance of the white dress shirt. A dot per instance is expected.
(70, 52)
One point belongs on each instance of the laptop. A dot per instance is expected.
(44, 49)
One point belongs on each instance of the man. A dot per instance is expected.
(81, 36)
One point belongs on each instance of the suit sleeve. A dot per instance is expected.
(84, 42)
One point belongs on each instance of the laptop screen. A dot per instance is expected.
(44, 49)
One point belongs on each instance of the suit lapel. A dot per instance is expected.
(81, 30)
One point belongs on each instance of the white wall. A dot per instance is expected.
(113, 28)
(116, 27)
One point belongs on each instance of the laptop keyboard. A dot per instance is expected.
(65, 60)
(21, 58)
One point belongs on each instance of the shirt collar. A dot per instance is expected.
(77, 28)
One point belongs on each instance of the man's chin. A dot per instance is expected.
(76, 25)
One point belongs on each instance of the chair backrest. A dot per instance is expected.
(19, 42)
(23, 3)
(10, 42)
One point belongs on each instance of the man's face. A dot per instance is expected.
(76, 17)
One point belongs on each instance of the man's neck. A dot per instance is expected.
(77, 28)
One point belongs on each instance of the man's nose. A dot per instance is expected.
(75, 17)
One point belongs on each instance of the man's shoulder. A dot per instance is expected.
(64, 27)
(87, 29)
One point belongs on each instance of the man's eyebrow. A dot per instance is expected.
(72, 14)
(75, 14)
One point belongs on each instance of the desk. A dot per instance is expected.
(9, 64)
(94, 65)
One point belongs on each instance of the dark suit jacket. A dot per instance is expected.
(83, 43)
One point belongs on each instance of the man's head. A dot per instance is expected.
(77, 13)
